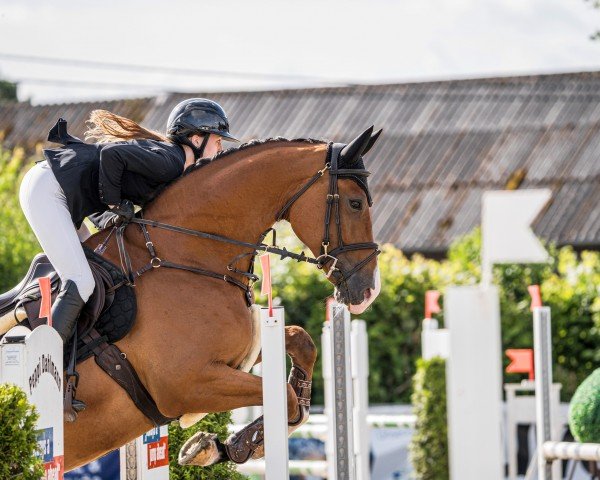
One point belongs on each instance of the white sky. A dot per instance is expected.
(326, 41)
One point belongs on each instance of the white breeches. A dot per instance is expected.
(45, 206)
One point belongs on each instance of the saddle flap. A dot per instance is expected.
(40, 267)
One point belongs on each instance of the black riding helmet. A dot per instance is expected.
(198, 116)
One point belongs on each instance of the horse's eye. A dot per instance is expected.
(356, 204)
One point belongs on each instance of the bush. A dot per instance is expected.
(584, 411)
(18, 438)
(214, 423)
(18, 244)
(429, 444)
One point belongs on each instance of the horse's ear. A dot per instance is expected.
(353, 151)
(372, 141)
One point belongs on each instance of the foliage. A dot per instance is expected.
(584, 411)
(8, 91)
(18, 438)
(429, 443)
(214, 423)
(569, 283)
(18, 244)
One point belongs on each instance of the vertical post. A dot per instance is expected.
(360, 375)
(274, 394)
(474, 383)
(33, 360)
(341, 386)
(542, 337)
(328, 392)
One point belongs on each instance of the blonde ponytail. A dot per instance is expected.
(105, 126)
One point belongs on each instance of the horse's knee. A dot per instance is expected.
(300, 346)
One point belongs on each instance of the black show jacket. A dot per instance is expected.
(94, 176)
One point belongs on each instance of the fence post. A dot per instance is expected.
(274, 394)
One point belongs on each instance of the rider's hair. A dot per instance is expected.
(105, 126)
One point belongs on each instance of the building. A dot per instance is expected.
(444, 143)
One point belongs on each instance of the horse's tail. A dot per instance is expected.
(105, 126)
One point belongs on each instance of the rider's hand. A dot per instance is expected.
(124, 210)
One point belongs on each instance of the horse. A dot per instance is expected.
(192, 332)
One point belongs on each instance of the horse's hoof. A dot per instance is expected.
(259, 452)
(201, 449)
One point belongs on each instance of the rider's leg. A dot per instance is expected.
(45, 207)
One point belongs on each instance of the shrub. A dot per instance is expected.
(214, 423)
(18, 438)
(18, 244)
(584, 411)
(429, 444)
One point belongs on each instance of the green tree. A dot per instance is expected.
(18, 438)
(18, 244)
(8, 91)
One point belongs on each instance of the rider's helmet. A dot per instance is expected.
(198, 116)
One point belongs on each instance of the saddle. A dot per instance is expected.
(27, 294)
(107, 317)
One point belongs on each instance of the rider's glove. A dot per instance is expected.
(124, 210)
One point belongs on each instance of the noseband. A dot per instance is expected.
(333, 204)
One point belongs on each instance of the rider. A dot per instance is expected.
(126, 167)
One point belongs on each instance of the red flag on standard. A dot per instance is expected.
(521, 361)
(536, 296)
(266, 287)
(431, 302)
(46, 303)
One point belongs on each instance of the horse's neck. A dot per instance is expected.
(239, 195)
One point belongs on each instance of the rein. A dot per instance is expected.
(324, 257)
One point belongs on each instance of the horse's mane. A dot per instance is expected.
(226, 153)
(252, 143)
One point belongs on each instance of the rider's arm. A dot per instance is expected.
(156, 164)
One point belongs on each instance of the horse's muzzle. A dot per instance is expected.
(359, 291)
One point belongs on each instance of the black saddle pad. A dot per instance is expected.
(117, 320)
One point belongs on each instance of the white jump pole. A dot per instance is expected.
(33, 360)
(474, 383)
(359, 347)
(274, 394)
(543, 382)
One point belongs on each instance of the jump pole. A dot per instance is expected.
(547, 450)
(339, 396)
(274, 393)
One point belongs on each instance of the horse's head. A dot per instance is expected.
(332, 217)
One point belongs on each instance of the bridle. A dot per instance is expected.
(326, 256)
(333, 204)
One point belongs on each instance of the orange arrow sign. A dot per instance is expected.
(521, 361)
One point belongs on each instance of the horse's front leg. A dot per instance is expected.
(226, 389)
(205, 449)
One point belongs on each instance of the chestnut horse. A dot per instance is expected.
(192, 332)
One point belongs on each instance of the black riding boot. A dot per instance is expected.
(66, 309)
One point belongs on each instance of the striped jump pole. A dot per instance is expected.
(345, 374)
(549, 451)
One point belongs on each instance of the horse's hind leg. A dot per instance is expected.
(205, 449)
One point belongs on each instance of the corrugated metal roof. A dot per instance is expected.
(444, 144)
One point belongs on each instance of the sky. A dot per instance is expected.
(201, 46)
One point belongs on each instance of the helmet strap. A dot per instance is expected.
(197, 151)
